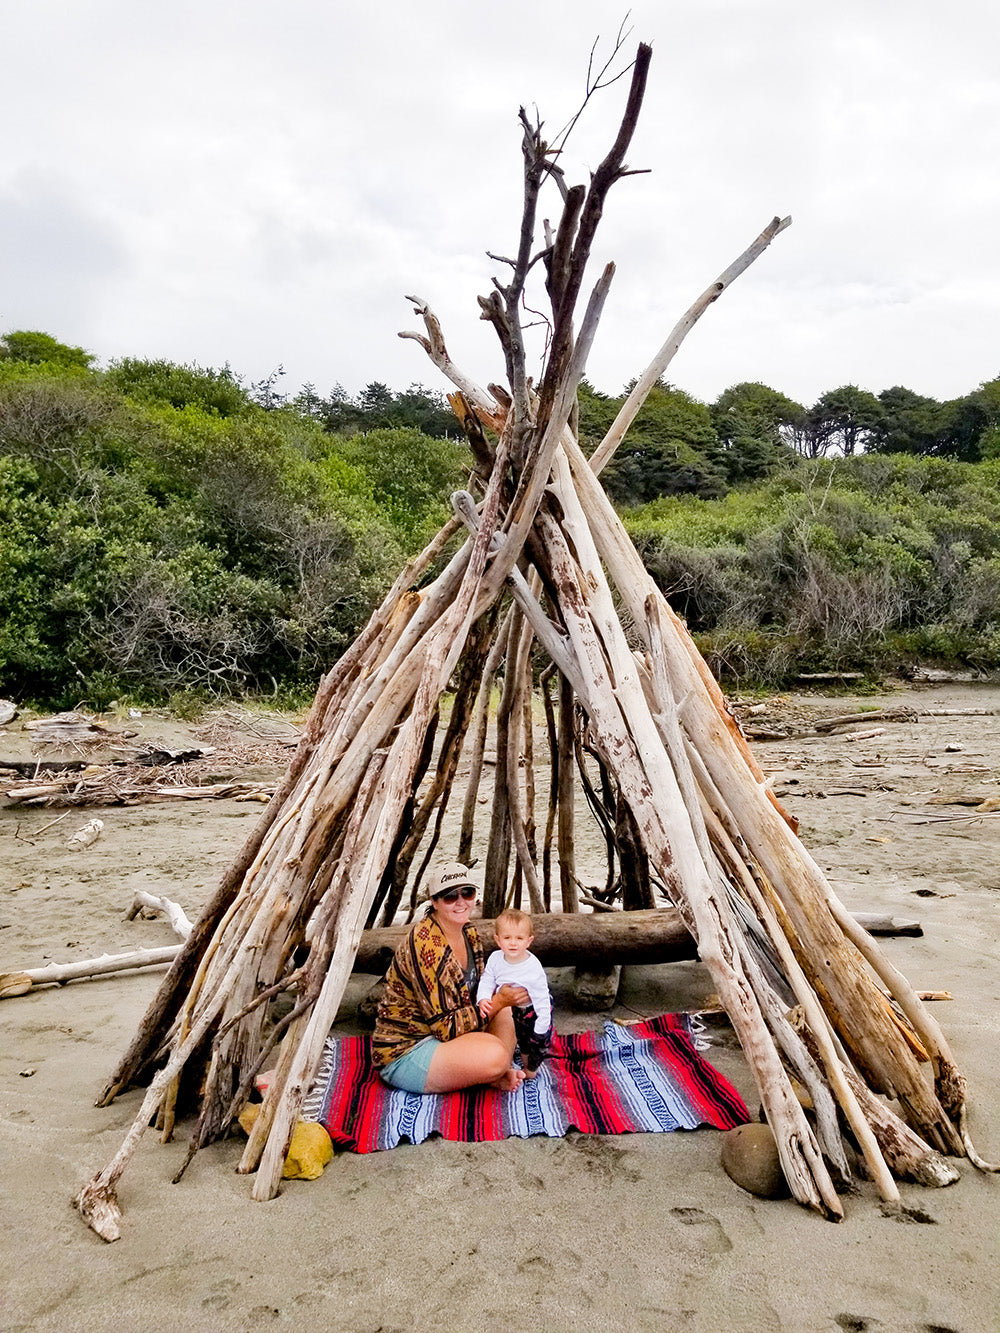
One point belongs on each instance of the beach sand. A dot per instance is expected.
(641, 1231)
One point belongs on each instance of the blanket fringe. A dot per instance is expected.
(697, 1031)
(312, 1106)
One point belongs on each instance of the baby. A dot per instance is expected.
(513, 965)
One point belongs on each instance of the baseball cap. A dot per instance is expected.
(451, 876)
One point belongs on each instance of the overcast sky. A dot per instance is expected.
(257, 184)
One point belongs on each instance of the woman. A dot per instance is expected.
(429, 1035)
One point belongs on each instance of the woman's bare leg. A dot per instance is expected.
(477, 1057)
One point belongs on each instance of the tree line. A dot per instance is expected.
(170, 532)
(680, 446)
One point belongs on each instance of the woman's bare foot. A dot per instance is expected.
(531, 1073)
(510, 1080)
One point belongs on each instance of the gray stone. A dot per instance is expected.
(750, 1158)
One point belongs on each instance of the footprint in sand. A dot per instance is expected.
(712, 1235)
(220, 1294)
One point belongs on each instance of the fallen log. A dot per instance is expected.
(19, 983)
(877, 923)
(102, 788)
(565, 939)
(975, 798)
(830, 675)
(590, 940)
(957, 712)
(873, 715)
(72, 729)
(571, 939)
(85, 836)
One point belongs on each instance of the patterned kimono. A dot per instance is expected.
(426, 993)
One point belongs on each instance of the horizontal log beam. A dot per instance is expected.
(570, 939)
(563, 939)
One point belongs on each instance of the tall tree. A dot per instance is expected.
(597, 412)
(988, 394)
(671, 449)
(756, 427)
(910, 423)
(963, 424)
(844, 421)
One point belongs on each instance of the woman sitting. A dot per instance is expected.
(429, 1035)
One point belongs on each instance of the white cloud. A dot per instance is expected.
(236, 182)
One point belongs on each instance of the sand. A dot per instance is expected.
(642, 1231)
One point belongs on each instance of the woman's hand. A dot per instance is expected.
(508, 996)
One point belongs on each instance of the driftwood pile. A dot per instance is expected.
(541, 585)
(128, 785)
(141, 773)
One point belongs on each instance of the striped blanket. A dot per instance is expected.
(648, 1077)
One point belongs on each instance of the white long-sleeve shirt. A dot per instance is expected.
(528, 973)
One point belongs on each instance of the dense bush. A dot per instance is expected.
(35, 348)
(858, 563)
(161, 532)
(217, 391)
(410, 475)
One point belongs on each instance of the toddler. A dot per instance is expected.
(513, 965)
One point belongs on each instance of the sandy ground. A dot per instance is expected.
(642, 1231)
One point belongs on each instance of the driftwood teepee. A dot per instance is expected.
(543, 583)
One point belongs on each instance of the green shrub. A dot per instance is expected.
(152, 548)
(844, 562)
(34, 348)
(217, 391)
(409, 476)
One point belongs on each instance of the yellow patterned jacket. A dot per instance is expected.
(426, 994)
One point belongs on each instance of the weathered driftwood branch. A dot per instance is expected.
(176, 917)
(56, 974)
(863, 719)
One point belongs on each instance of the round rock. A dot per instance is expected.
(750, 1158)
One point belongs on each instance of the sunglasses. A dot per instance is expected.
(453, 895)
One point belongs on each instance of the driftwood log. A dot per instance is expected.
(52, 974)
(583, 940)
(537, 571)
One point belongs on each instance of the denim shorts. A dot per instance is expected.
(409, 1071)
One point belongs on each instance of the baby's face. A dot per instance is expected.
(515, 941)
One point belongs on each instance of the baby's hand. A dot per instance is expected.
(486, 1008)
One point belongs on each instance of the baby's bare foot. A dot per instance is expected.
(531, 1073)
